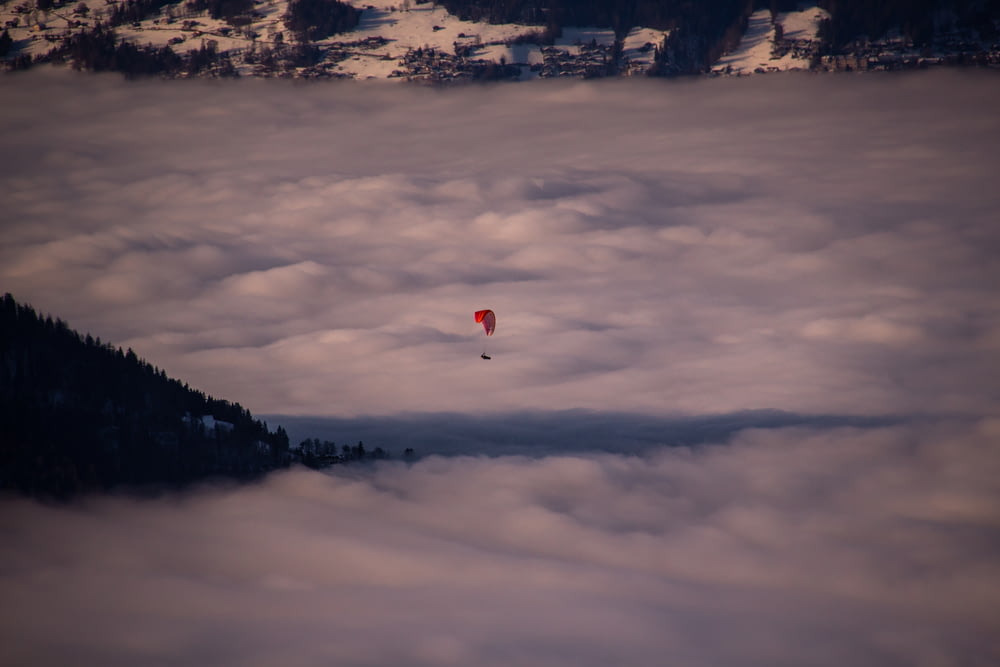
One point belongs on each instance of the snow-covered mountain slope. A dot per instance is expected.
(412, 40)
(376, 49)
(786, 43)
(383, 44)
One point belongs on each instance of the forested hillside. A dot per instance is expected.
(463, 39)
(850, 19)
(918, 21)
(78, 414)
(702, 31)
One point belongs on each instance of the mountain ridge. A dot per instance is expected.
(79, 415)
(457, 41)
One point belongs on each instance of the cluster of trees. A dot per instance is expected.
(100, 50)
(851, 20)
(310, 20)
(6, 43)
(316, 453)
(131, 11)
(621, 15)
(280, 56)
(77, 414)
(702, 31)
(227, 10)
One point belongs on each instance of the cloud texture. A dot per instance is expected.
(658, 254)
(795, 546)
(814, 244)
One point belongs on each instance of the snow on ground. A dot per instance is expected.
(802, 24)
(580, 36)
(639, 46)
(528, 56)
(401, 26)
(420, 26)
(31, 30)
(756, 52)
(755, 48)
(37, 32)
(522, 54)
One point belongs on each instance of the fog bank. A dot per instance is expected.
(795, 546)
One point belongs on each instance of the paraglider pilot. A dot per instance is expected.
(489, 321)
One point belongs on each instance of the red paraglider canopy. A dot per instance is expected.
(488, 320)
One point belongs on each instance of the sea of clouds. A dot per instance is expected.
(812, 244)
(741, 408)
(791, 547)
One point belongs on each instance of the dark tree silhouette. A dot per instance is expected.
(316, 19)
(223, 9)
(80, 415)
(6, 43)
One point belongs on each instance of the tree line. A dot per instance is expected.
(78, 414)
(917, 20)
(101, 50)
(316, 453)
(699, 32)
(702, 31)
(311, 20)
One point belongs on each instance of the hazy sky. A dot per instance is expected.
(662, 257)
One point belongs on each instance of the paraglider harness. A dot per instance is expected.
(489, 321)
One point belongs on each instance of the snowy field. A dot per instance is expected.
(398, 27)
(670, 263)
(423, 26)
(755, 53)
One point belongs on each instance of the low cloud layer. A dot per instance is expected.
(546, 433)
(822, 245)
(665, 259)
(795, 546)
